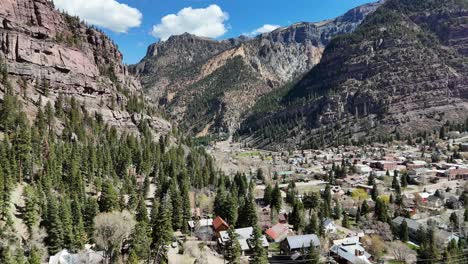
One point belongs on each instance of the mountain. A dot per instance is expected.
(209, 86)
(404, 70)
(48, 53)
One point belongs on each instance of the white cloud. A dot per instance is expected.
(264, 29)
(203, 22)
(108, 14)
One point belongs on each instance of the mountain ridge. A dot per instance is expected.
(41, 45)
(274, 58)
(391, 72)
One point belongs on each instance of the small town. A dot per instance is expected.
(233, 132)
(383, 201)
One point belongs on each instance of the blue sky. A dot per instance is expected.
(131, 22)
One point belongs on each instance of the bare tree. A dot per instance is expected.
(401, 252)
(111, 230)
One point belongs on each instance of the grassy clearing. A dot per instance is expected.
(249, 154)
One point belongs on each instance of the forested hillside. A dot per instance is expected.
(65, 179)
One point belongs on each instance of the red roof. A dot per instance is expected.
(275, 231)
(218, 222)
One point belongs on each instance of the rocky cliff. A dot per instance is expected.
(210, 86)
(44, 47)
(404, 70)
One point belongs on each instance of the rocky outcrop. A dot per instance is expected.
(179, 72)
(39, 44)
(403, 70)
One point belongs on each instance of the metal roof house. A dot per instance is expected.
(243, 236)
(350, 250)
(297, 243)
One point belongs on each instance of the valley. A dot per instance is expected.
(338, 141)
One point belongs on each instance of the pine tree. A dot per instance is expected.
(358, 214)
(141, 241)
(404, 231)
(109, 200)
(34, 256)
(259, 254)
(232, 248)
(90, 211)
(31, 210)
(313, 226)
(267, 195)
(79, 233)
(67, 224)
(296, 217)
(276, 199)
(142, 213)
(454, 220)
(404, 180)
(364, 208)
(133, 258)
(314, 255)
(371, 179)
(54, 227)
(381, 210)
(345, 222)
(374, 192)
(162, 228)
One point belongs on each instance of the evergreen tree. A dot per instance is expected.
(404, 180)
(374, 192)
(371, 179)
(358, 214)
(454, 220)
(232, 247)
(54, 227)
(381, 210)
(31, 210)
(296, 217)
(267, 195)
(259, 254)
(109, 200)
(276, 199)
(141, 241)
(365, 208)
(345, 221)
(313, 226)
(404, 231)
(314, 255)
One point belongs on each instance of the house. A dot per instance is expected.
(457, 173)
(384, 165)
(243, 236)
(434, 201)
(277, 233)
(363, 169)
(452, 202)
(416, 164)
(329, 226)
(86, 256)
(203, 228)
(350, 250)
(445, 236)
(424, 196)
(299, 243)
(283, 218)
(219, 225)
(413, 226)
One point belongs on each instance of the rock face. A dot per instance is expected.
(38, 43)
(403, 70)
(210, 86)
